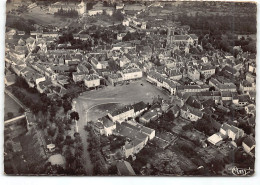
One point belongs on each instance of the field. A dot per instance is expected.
(10, 106)
(41, 17)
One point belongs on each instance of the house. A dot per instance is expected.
(226, 96)
(224, 129)
(243, 100)
(150, 115)
(10, 34)
(131, 74)
(18, 68)
(120, 36)
(43, 86)
(105, 126)
(98, 128)
(207, 70)
(50, 34)
(248, 144)
(191, 113)
(194, 102)
(95, 63)
(115, 78)
(173, 74)
(122, 114)
(95, 12)
(222, 86)
(209, 95)
(136, 139)
(231, 131)
(252, 95)
(235, 133)
(246, 86)
(193, 74)
(175, 110)
(78, 76)
(92, 80)
(20, 33)
(250, 109)
(215, 138)
(230, 71)
(125, 60)
(162, 82)
(139, 108)
(178, 39)
(119, 6)
(192, 88)
(250, 77)
(124, 168)
(195, 39)
(10, 79)
(150, 133)
(125, 22)
(30, 119)
(252, 67)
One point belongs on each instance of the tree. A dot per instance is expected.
(212, 88)
(67, 106)
(118, 16)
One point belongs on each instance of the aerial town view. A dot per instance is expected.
(130, 88)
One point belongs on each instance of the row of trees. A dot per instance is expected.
(21, 24)
(66, 13)
(96, 157)
(238, 24)
(226, 42)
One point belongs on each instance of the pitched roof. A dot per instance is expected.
(229, 70)
(181, 37)
(193, 102)
(193, 36)
(249, 141)
(244, 98)
(122, 110)
(192, 110)
(225, 126)
(106, 122)
(139, 106)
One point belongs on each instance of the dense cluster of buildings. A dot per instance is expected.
(117, 123)
(168, 56)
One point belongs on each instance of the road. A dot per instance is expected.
(79, 107)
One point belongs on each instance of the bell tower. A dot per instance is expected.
(170, 35)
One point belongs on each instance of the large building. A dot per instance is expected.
(92, 80)
(132, 74)
(80, 8)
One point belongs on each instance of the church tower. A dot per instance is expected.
(170, 35)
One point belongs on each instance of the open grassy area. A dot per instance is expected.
(132, 93)
(11, 106)
(41, 17)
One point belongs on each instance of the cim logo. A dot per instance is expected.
(241, 171)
